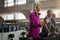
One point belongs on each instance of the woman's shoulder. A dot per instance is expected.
(32, 13)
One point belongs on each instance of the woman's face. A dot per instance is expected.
(38, 7)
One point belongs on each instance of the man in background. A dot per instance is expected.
(47, 24)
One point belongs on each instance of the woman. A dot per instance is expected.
(35, 22)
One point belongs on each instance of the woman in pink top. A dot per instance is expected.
(35, 21)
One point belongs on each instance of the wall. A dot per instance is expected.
(47, 4)
(25, 9)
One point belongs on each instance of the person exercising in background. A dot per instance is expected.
(47, 24)
(53, 23)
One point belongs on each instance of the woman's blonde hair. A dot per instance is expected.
(34, 6)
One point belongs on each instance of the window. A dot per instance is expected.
(57, 12)
(8, 3)
(10, 17)
(20, 2)
(20, 16)
(13, 16)
(43, 13)
(7, 16)
(4, 16)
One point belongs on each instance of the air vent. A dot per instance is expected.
(41, 0)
